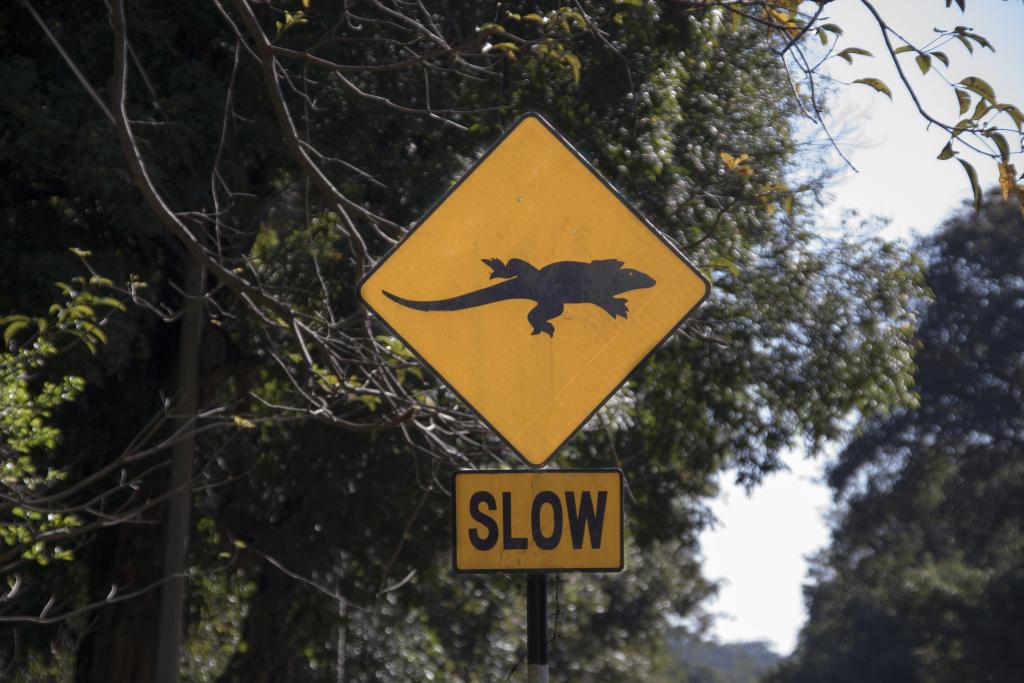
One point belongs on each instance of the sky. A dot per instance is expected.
(759, 548)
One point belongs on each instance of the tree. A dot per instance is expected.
(924, 579)
(281, 150)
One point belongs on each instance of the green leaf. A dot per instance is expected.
(370, 401)
(491, 27)
(510, 49)
(980, 110)
(964, 100)
(822, 36)
(13, 329)
(947, 152)
(243, 423)
(833, 28)
(1003, 145)
(980, 87)
(962, 126)
(877, 84)
(848, 53)
(576, 17)
(81, 311)
(904, 48)
(967, 43)
(1015, 114)
(980, 40)
(94, 330)
(975, 187)
(941, 56)
(724, 263)
(734, 20)
(924, 62)
(111, 302)
(574, 63)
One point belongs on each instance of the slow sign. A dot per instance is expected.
(547, 520)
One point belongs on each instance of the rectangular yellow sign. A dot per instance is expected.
(546, 520)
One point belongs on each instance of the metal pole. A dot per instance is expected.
(537, 628)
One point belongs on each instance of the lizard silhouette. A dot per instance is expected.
(550, 287)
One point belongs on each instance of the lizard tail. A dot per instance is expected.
(481, 297)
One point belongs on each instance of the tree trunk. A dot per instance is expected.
(179, 506)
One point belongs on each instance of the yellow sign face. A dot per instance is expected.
(547, 520)
(533, 289)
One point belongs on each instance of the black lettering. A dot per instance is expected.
(540, 540)
(510, 542)
(584, 516)
(475, 501)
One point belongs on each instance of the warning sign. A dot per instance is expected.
(533, 289)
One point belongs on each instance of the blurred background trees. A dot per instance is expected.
(241, 165)
(924, 578)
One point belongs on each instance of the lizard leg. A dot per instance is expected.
(542, 313)
(514, 268)
(614, 307)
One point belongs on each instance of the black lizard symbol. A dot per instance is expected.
(551, 287)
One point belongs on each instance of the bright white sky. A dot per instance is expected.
(760, 546)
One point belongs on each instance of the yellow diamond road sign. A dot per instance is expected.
(533, 289)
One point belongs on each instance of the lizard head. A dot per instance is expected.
(629, 279)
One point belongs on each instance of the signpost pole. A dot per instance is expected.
(537, 628)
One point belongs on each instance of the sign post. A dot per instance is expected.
(537, 521)
(533, 289)
(537, 628)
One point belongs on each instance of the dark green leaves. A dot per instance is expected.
(964, 100)
(1013, 112)
(825, 29)
(879, 601)
(972, 175)
(1004, 147)
(979, 87)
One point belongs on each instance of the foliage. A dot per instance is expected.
(806, 39)
(923, 579)
(28, 401)
(696, 661)
(285, 147)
